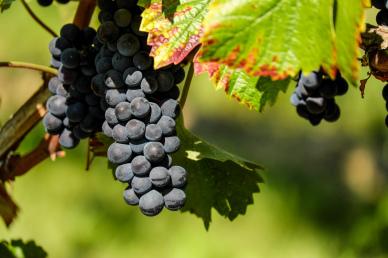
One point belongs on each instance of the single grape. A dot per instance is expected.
(170, 108)
(110, 117)
(98, 85)
(136, 129)
(103, 65)
(175, 199)
(151, 204)
(52, 124)
(113, 79)
(54, 50)
(120, 134)
(128, 44)
(178, 176)
(124, 173)
(141, 185)
(122, 18)
(119, 153)
(142, 60)
(132, 77)
(107, 32)
(156, 113)
(385, 92)
(106, 129)
(67, 139)
(342, 84)
(179, 75)
(45, 3)
(130, 197)
(154, 151)
(83, 84)
(56, 105)
(167, 124)
(70, 58)
(120, 62)
(149, 84)
(153, 132)
(70, 32)
(171, 144)
(165, 81)
(123, 112)
(113, 97)
(140, 166)
(53, 84)
(159, 176)
(140, 107)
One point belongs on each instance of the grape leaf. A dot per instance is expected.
(278, 38)
(349, 25)
(216, 179)
(17, 249)
(174, 28)
(5, 4)
(8, 208)
(215, 176)
(254, 92)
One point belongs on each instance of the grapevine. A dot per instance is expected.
(121, 85)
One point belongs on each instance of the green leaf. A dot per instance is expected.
(5, 4)
(254, 92)
(19, 249)
(349, 25)
(278, 38)
(8, 208)
(174, 28)
(217, 179)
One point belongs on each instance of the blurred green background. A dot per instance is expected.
(325, 192)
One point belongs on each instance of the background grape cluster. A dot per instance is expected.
(314, 97)
(141, 111)
(46, 3)
(382, 15)
(74, 110)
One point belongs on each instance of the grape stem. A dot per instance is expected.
(186, 87)
(36, 67)
(37, 19)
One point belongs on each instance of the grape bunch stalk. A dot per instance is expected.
(140, 110)
(74, 111)
(314, 97)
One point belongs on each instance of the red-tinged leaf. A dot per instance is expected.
(174, 29)
(254, 92)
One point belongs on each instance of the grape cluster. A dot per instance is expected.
(382, 15)
(46, 3)
(314, 97)
(140, 111)
(74, 110)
